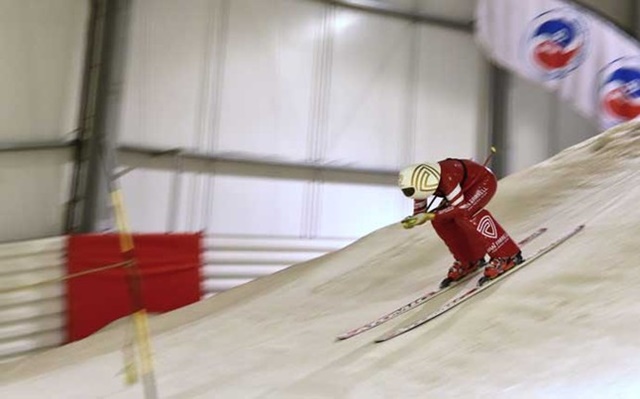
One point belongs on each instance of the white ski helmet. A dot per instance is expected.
(420, 180)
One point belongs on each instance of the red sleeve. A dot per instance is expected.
(452, 174)
(419, 206)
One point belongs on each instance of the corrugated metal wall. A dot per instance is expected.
(229, 262)
(33, 318)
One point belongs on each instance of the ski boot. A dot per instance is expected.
(458, 271)
(499, 266)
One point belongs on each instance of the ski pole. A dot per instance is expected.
(493, 151)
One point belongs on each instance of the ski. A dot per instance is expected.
(424, 298)
(476, 289)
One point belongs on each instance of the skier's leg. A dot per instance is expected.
(482, 230)
(495, 240)
(454, 238)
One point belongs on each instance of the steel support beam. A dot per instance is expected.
(259, 166)
(89, 198)
(635, 12)
(377, 7)
(86, 129)
(498, 111)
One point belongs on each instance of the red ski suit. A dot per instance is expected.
(468, 230)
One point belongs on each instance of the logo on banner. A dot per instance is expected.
(487, 228)
(619, 91)
(556, 43)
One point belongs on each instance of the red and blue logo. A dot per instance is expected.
(619, 91)
(556, 43)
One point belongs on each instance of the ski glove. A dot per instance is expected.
(416, 220)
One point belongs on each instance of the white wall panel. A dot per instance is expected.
(368, 102)
(294, 80)
(570, 127)
(168, 200)
(148, 194)
(169, 61)
(267, 87)
(540, 125)
(42, 46)
(35, 188)
(356, 210)
(194, 202)
(450, 96)
(257, 206)
(528, 124)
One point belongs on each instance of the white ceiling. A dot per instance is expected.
(457, 10)
(620, 11)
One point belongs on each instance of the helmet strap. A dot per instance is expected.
(431, 203)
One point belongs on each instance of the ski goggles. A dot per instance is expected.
(409, 191)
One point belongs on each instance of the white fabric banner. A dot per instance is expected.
(584, 58)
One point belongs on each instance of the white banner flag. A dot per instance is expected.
(584, 58)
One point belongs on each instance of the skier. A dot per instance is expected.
(461, 220)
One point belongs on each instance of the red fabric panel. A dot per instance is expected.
(169, 267)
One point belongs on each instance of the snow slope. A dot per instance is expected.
(564, 327)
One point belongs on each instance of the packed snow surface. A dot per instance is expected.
(567, 326)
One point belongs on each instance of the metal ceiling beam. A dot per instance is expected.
(377, 7)
(36, 146)
(635, 12)
(630, 31)
(234, 164)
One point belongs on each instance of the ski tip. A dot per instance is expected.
(483, 280)
(384, 338)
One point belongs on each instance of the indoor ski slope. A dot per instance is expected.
(567, 326)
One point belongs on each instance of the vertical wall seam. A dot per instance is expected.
(312, 131)
(221, 60)
(207, 82)
(278, 65)
(175, 193)
(325, 90)
(317, 208)
(323, 121)
(215, 121)
(202, 139)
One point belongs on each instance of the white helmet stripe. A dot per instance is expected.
(452, 195)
